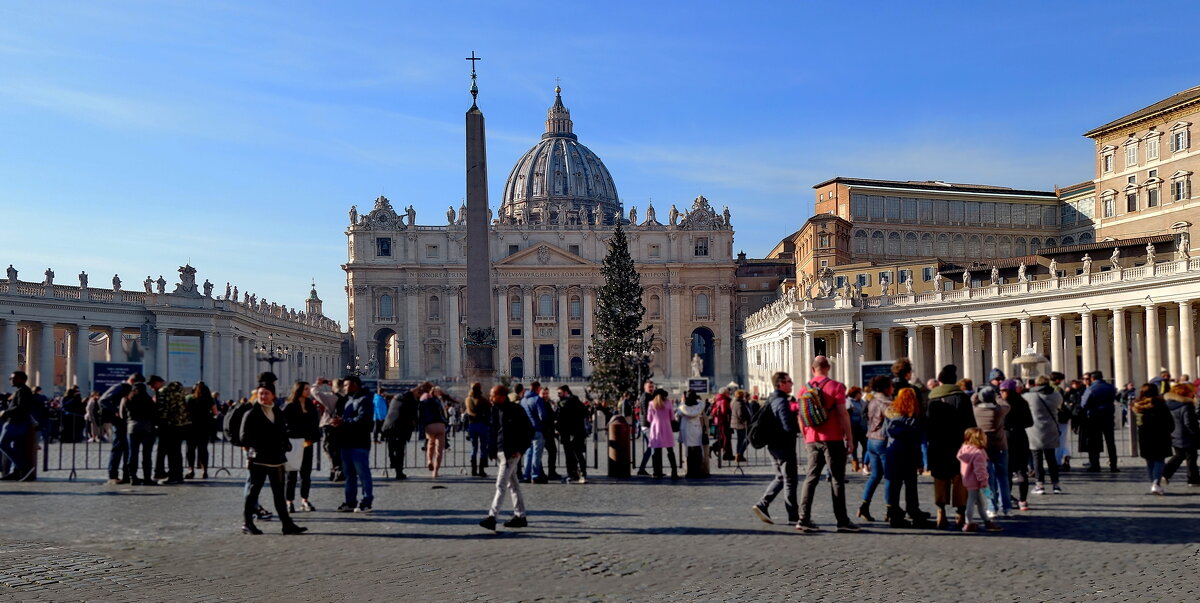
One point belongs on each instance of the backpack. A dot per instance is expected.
(811, 407)
(763, 427)
(233, 423)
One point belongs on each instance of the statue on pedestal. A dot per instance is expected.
(673, 216)
(162, 285)
(633, 216)
(412, 216)
(697, 365)
(116, 283)
(908, 286)
(1021, 278)
(725, 214)
(149, 285)
(450, 215)
(208, 287)
(1183, 250)
(12, 275)
(650, 214)
(353, 215)
(1149, 254)
(83, 280)
(995, 276)
(227, 293)
(1087, 264)
(937, 280)
(49, 278)
(1115, 258)
(1054, 268)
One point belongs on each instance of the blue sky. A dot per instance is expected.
(137, 136)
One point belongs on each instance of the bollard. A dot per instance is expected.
(618, 447)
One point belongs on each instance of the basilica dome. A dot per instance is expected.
(559, 179)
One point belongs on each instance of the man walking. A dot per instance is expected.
(1099, 404)
(512, 434)
(357, 423)
(110, 405)
(16, 420)
(535, 407)
(827, 445)
(782, 446)
(399, 423)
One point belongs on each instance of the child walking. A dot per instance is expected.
(973, 464)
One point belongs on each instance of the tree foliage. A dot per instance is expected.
(619, 341)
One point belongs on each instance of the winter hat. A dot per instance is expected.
(987, 395)
(949, 375)
(1012, 384)
(996, 375)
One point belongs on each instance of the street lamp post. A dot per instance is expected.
(358, 368)
(270, 353)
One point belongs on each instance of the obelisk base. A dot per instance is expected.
(481, 365)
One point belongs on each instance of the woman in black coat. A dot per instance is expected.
(304, 432)
(264, 435)
(1154, 427)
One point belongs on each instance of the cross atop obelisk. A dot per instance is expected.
(480, 339)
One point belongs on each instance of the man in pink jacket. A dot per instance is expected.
(827, 444)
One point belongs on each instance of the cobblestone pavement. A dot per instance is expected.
(643, 540)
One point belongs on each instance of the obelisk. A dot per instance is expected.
(480, 338)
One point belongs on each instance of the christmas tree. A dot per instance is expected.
(619, 341)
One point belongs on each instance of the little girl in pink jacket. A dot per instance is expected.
(973, 462)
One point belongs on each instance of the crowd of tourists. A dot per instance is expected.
(975, 443)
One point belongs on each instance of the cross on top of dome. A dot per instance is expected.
(558, 118)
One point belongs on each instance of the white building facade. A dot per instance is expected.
(213, 338)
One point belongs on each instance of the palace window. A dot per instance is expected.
(840, 281)
(905, 276)
(1152, 147)
(1180, 140)
(1110, 206)
(1152, 196)
(1181, 189)
(1130, 155)
(1131, 202)
(383, 247)
(863, 280)
(1108, 162)
(927, 274)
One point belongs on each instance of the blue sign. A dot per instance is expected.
(108, 374)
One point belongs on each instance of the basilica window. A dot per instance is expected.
(701, 247)
(576, 307)
(987, 213)
(893, 209)
(655, 250)
(1004, 214)
(1019, 247)
(958, 246)
(1047, 217)
(1085, 238)
(383, 247)
(909, 210)
(975, 246)
(925, 211)
(573, 249)
(1051, 243)
(512, 249)
(702, 305)
(431, 251)
(943, 245)
(655, 308)
(877, 243)
(435, 308)
(385, 306)
(972, 211)
(956, 212)
(1018, 214)
(514, 307)
(876, 203)
(989, 247)
(1035, 244)
(545, 305)
(893, 244)
(1068, 241)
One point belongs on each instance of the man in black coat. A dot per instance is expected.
(16, 418)
(399, 424)
(948, 414)
(512, 434)
(572, 428)
(782, 446)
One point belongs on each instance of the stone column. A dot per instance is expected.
(116, 349)
(1137, 347)
(806, 357)
(10, 346)
(939, 348)
(1120, 349)
(847, 358)
(723, 342)
(1056, 343)
(454, 344)
(1026, 334)
(503, 361)
(1104, 346)
(45, 356)
(968, 351)
(530, 361)
(1153, 361)
(230, 365)
(1088, 361)
(160, 354)
(1187, 339)
(915, 352)
(1006, 347)
(208, 370)
(83, 360)
(887, 347)
(562, 321)
(1172, 323)
(589, 293)
(679, 350)
(412, 337)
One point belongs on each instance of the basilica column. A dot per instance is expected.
(454, 346)
(968, 352)
(1104, 346)
(503, 362)
(83, 360)
(562, 321)
(1120, 349)
(530, 362)
(1173, 364)
(1056, 343)
(723, 354)
(1089, 341)
(231, 364)
(1187, 340)
(412, 337)
(1153, 360)
(676, 349)
(10, 346)
(589, 293)
(939, 347)
(915, 353)
(806, 357)
(1070, 350)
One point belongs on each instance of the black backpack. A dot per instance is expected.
(763, 427)
(233, 423)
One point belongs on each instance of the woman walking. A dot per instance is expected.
(201, 410)
(433, 417)
(1181, 401)
(902, 460)
(304, 433)
(1154, 427)
(877, 406)
(478, 415)
(264, 435)
(661, 435)
(1043, 434)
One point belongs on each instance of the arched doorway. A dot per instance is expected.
(576, 366)
(516, 368)
(702, 345)
(386, 349)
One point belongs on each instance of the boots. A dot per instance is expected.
(864, 511)
(960, 517)
(895, 519)
(941, 519)
(474, 468)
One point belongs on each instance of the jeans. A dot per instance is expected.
(533, 457)
(355, 464)
(874, 457)
(1064, 442)
(999, 483)
(197, 446)
(479, 434)
(118, 457)
(304, 475)
(506, 481)
(1154, 467)
(1041, 458)
(254, 484)
(742, 440)
(820, 454)
(785, 479)
(12, 446)
(141, 445)
(1173, 463)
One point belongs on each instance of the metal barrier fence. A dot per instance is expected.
(225, 458)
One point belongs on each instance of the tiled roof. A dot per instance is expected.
(1180, 98)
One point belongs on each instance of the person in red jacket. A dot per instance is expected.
(721, 414)
(827, 444)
